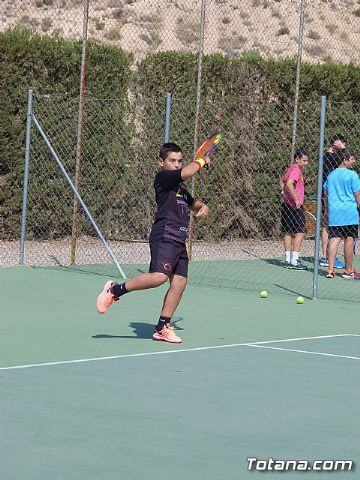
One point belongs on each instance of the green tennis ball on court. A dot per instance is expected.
(263, 294)
(300, 300)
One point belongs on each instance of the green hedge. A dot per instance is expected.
(251, 101)
(273, 80)
(48, 66)
(122, 137)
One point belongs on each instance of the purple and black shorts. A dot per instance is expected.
(170, 258)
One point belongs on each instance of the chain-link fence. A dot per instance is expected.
(106, 145)
(240, 244)
(115, 180)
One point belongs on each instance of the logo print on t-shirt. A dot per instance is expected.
(181, 194)
(167, 266)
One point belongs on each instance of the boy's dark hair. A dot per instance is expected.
(167, 148)
(352, 153)
(337, 137)
(300, 152)
(344, 154)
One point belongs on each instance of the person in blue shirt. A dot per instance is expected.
(330, 162)
(342, 198)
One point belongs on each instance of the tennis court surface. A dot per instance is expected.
(86, 396)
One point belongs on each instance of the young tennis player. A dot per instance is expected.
(169, 259)
(342, 198)
(293, 211)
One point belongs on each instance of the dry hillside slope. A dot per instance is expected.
(233, 27)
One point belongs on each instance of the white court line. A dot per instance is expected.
(305, 351)
(165, 352)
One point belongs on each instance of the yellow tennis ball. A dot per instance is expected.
(300, 300)
(263, 294)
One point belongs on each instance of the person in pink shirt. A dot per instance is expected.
(293, 210)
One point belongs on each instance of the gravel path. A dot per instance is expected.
(91, 251)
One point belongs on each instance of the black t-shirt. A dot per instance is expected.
(330, 162)
(173, 202)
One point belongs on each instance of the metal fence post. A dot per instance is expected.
(26, 177)
(167, 118)
(297, 80)
(77, 194)
(197, 112)
(80, 130)
(319, 197)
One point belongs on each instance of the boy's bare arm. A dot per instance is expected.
(193, 167)
(326, 198)
(357, 198)
(291, 189)
(200, 208)
(339, 145)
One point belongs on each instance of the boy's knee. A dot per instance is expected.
(181, 282)
(160, 278)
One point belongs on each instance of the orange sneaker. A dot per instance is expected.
(167, 334)
(106, 298)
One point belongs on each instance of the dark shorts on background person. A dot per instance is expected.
(292, 219)
(169, 258)
(343, 231)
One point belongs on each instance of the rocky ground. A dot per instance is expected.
(233, 27)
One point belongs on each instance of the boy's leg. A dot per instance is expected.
(324, 242)
(298, 239)
(299, 225)
(293, 225)
(145, 281)
(286, 228)
(178, 280)
(164, 330)
(113, 291)
(332, 250)
(324, 234)
(288, 239)
(349, 253)
(350, 234)
(173, 295)
(297, 242)
(163, 257)
(324, 262)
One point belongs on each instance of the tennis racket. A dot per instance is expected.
(207, 147)
(310, 224)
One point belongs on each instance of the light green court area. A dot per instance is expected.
(261, 378)
(270, 274)
(252, 275)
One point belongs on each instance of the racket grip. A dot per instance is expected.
(207, 154)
